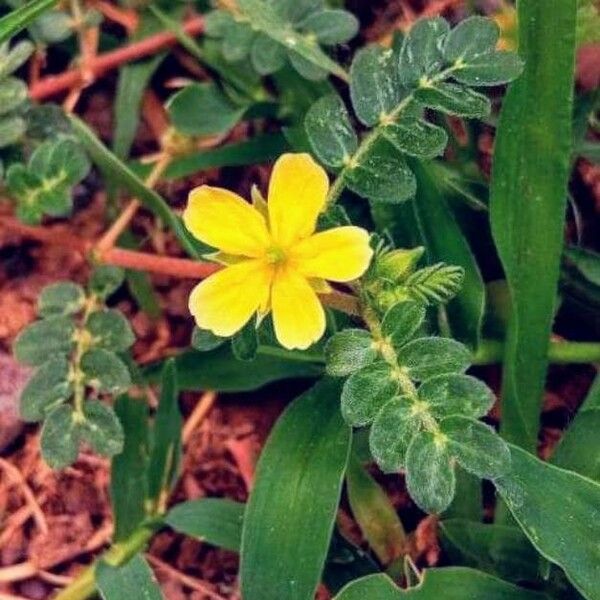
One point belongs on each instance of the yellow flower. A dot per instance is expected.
(276, 261)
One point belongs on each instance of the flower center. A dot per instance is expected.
(275, 255)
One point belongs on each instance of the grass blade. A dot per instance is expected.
(528, 197)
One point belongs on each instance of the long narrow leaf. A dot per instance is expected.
(528, 196)
(290, 515)
(18, 19)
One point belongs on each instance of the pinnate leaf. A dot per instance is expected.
(421, 52)
(476, 446)
(101, 429)
(391, 433)
(105, 371)
(430, 477)
(374, 86)
(49, 337)
(429, 356)
(402, 321)
(349, 351)
(61, 299)
(48, 387)
(365, 392)
(454, 99)
(456, 394)
(330, 132)
(60, 440)
(110, 330)
(382, 175)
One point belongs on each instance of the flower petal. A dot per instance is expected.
(225, 221)
(224, 302)
(339, 254)
(297, 194)
(298, 316)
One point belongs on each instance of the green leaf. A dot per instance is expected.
(425, 357)
(106, 280)
(214, 520)
(476, 447)
(268, 55)
(203, 109)
(18, 19)
(555, 509)
(131, 84)
(101, 429)
(416, 137)
(421, 52)
(121, 174)
(391, 433)
(454, 394)
(366, 391)
(62, 161)
(237, 41)
(166, 446)
(532, 162)
(12, 129)
(374, 87)
(454, 99)
(48, 387)
(244, 344)
(205, 340)
(60, 438)
(133, 580)
(330, 132)
(271, 22)
(401, 322)
(331, 26)
(110, 330)
(381, 174)
(471, 38)
(578, 448)
(61, 299)
(439, 283)
(218, 370)
(349, 351)
(297, 490)
(105, 371)
(52, 27)
(15, 58)
(496, 68)
(430, 478)
(449, 583)
(13, 92)
(128, 474)
(496, 549)
(374, 513)
(49, 337)
(216, 23)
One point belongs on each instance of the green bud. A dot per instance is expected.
(398, 264)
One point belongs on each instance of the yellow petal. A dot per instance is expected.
(297, 194)
(225, 221)
(224, 302)
(298, 316)
(339, 254)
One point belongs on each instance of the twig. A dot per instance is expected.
(186, 580)
(55, 84)
(126, 18)
(200, 411)
(24, 570)
(16, 477)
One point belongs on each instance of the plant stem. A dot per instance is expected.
(561, 353)
(54, 84)
(84, 584)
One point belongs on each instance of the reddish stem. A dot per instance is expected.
(54, 84)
